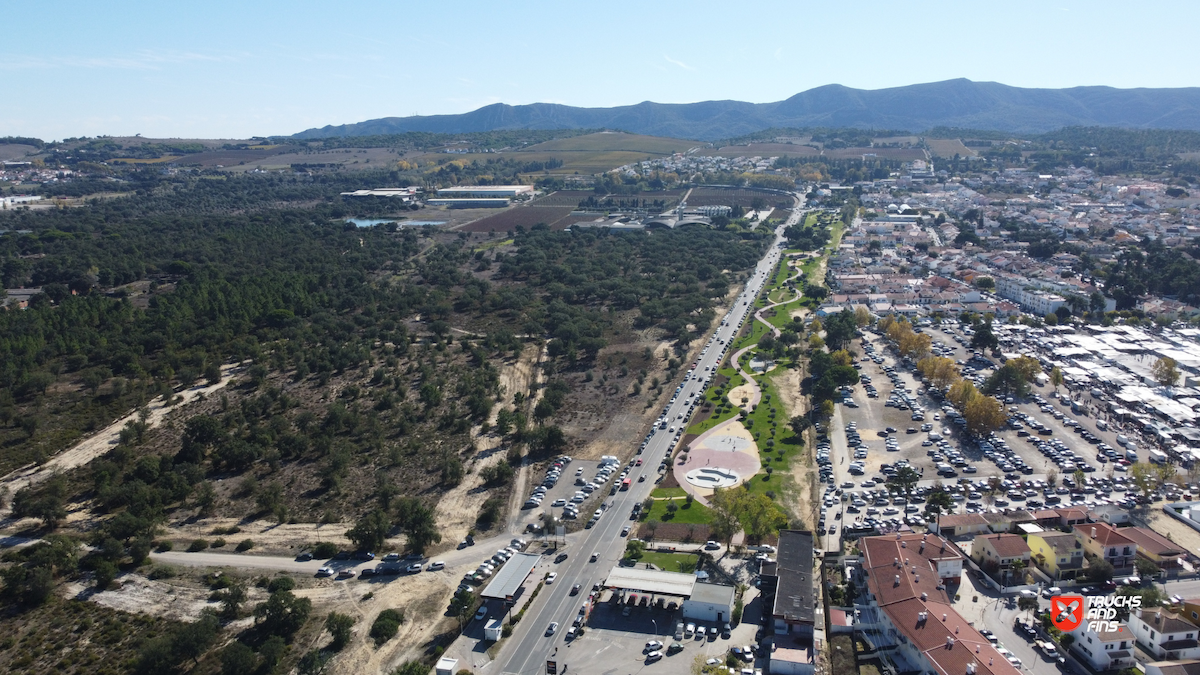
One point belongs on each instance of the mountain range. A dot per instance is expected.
(918, 107)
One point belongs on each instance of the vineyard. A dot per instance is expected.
(734, 197)
(524, 216)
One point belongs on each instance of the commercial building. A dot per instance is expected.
(511, 576)
(795, 602)
(470, 203)
(710, 602)
(486, 191)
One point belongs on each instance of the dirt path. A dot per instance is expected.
(106, 439)
(458, 508)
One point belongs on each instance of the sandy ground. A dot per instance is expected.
(92, 447)
(740, 396)
(137, 594)
(423, 599)
(458, 507)
(270, 538)
(1173, 529)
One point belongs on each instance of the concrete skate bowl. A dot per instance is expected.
(713, 477)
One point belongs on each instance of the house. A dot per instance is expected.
(1191, 667)
(1106, 542)
(1058, 554)
(1067, 517)
(1000, 551)
(1109, 513)
(1103, 650)
(963, 525)
(1154, 547)
(1164, 634)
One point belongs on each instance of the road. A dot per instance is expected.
(528, 647)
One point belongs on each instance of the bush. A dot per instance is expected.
(161, 572)
(281, 584)
(245, 545)
(197, 545)
(217, 543)
(386, 625)
(163, 546)
(325, 550)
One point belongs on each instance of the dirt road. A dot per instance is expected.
(106, 439)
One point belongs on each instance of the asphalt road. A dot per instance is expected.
(528, 647)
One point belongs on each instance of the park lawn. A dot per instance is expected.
(696, 514)
(664, 493)
(759, 424)
(670, 562)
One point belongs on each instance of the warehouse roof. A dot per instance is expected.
(651, 581)
(510, 577)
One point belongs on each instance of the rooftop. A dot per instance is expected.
(712, 593)
(651, 581)
(795, 596)
(1005, 545)
(1151, 541)
(510, 577)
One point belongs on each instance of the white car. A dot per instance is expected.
(550, 579)
(652, 645)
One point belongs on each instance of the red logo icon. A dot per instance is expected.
(1066, 612)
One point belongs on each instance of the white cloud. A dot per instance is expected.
(676, 62)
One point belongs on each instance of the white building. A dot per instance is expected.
(1109, 650)
(712, 603)
(1164, 634)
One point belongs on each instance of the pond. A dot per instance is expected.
(371, 222)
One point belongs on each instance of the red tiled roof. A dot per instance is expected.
(1106, 535)
(1151, 541)
(1006, 545)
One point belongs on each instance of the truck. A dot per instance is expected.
(1097, 393)
(1078, 408)
(1158, 457)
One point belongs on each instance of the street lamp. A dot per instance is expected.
(655, 627)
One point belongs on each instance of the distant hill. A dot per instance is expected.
(953, 103)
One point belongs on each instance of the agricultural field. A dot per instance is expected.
(526, 216)
(765, 150)
(279, 157)
(942, 147)
(595, 153)
(731, 197)
(609, 141)
(898, 154)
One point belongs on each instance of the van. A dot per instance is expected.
(1122, 439)
(1102, 425)
(1131, 453)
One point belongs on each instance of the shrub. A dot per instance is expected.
(325, 549)
(386, 625)
(217, 543)
(197, 545)
(245, 545)
(281, 584)
(163, 546)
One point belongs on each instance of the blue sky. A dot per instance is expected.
(217, 69)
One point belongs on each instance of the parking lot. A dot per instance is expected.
(888, 420)
(614, 642)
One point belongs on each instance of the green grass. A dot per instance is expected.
(696, 514)
(668, 562)
(664, 493)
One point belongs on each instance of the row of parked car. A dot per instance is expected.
(553, 473)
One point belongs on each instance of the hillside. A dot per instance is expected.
(955, 103)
